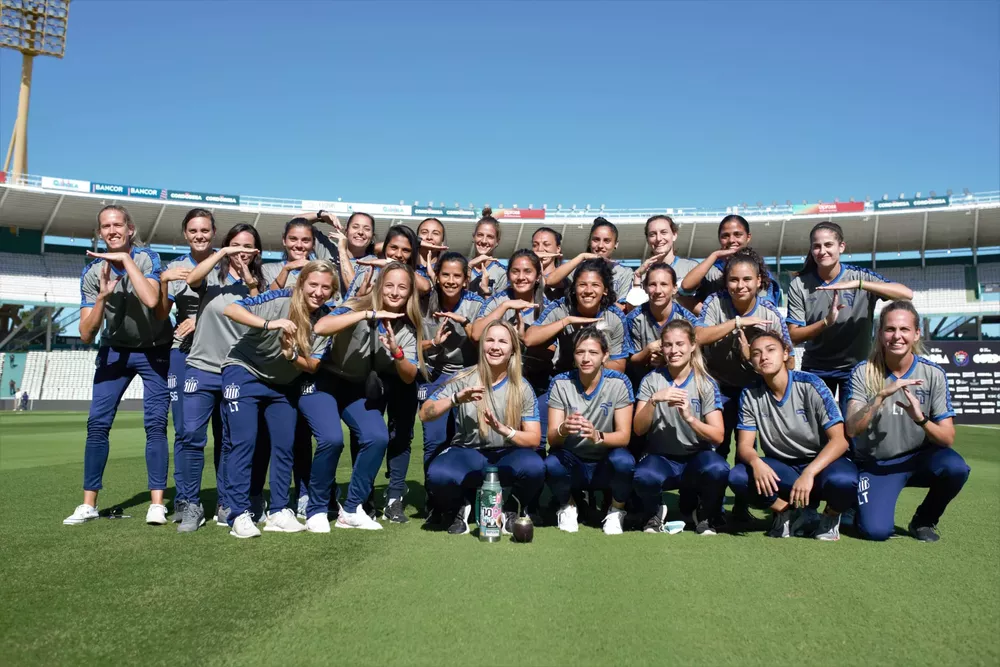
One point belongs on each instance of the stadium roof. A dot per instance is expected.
(67, 207)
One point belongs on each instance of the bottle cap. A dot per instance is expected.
(491, 469)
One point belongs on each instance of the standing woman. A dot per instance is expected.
(496, 423)
(259, 376)
(680, 414)
(344, 246)
(120, 290)
(590, 423)
(237, 277)
(707, 278)
(547, 244)
(488, 276)
(376, 336)
(198, 228)
(802, 437)
(590, 301)
(298, 240)
(401, 245)
(448, 343)
(661, 235)
(603, 243)
(900, 416)
(720, 332)
(831, 308)
(645, 323)
(433, 242)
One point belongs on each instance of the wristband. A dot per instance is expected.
(922, 421)
(454, 400)
(398, 354)
(510, 435)
(738, 325)
(266, 324)
(319, 213)
(559, 429)
(861, 283)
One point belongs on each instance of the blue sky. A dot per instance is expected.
(625, 104)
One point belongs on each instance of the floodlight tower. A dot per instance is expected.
(35, 28)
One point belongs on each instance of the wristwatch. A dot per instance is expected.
(319, 213)
(922, 421)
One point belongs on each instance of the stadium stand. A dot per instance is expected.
(34, 374)
(51, 278)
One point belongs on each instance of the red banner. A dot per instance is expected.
(838, 207)
(520, 214)
(3, 177)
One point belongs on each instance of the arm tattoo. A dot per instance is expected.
(432, 411)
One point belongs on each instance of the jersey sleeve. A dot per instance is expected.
(554, 312)
(90, 285)
(149, 263)
(624, 283)
(268, 305)
(623, 396)
(450, 388)
(822, 402)
(619, 343)
(633, 329)
(796, 303)
(856, 389)
(940, 397)
(746, 420)
(406, 338)
(647, 387)
(270, 271)
(556, 396)
(323, 247)
(491, 305)
(529, 404)
(711, 313)
(782, 326)
(711, 398)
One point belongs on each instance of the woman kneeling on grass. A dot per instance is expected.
(900, 416)
(802, 436)
(590, 422)
(680, 413)
(496, 423)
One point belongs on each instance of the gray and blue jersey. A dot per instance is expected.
(682, 266)
(669, 434)
(458, 350)
(466, 415)
(128, 322)
(613, 392)
(891, 432)
(793, 428)
(723, 357)
(349, 354)
(536, 362)
(715, 281)
(259, 351)
(611, 322)
(643, 329)
(621, 279)
(185, 300)
(215, 334)
(497, 277)
(837, 349)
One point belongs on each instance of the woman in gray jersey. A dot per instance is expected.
(801, 433)
(680, 414)
(433, 242)
(603, 241)
(900, 416)
(661, 235)
(496, 424)
(831, 308)
(546, 243)
(590, 421)
(119, 292)
(198, 228)
(345, 245)
(230, 274)
(376, 347)
(299, 243)
(400, 245)
(448, 348)
(260, 375)
(645, 323)
(488, 275)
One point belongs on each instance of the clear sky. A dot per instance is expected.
(630, 105)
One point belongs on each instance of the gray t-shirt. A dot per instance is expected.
(682, 266)
(349, 352)
(621, 279)
(891, 432)
(458, 350)
(215, 334)
(793, 428)
(271, 271)
(497, 278)
(127, 322)
(837, 349)
(466, 415)
(724, 359)
(669, 434)
(185, 301)
(714, 281)
(536, 362)
(611, 322)
(259, 351)
(643, 330)
(613, 392)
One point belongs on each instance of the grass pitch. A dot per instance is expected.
(122, 592)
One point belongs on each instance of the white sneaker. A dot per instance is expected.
(156, 515)
(283, 522)
(567, 517)
(243, 527)
(82, 514)
(357, 519)
(613, 521)
(318, 523)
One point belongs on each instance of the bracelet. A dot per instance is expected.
(319, 213)
(252, 285)
(559, 429)
(510, 435)
(738, 325)
(922, 421)
(861, 283)
(398, 354)
(600, 438)
(454, 400)
(266, 324)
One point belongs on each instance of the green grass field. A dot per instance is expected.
(122, 592)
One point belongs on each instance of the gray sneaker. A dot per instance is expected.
(781, 525)
(193, 519)
(829, 528)
(258, 508)
(222, 516)
(178, 514)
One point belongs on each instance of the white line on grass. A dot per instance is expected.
(992, 428)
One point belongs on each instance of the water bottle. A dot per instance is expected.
(490, 506)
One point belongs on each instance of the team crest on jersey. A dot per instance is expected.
(802, 413)
(696, 406)
(171, 381)
(605, 407)
(231, 392)
(847, 296)
(190, 385)
(307, 389)
(922, 395)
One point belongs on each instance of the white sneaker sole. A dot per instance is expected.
(571, 529)
(156, 522)
(325, 529)
(347, 525)
(77, 522)
(278, 529)
(243, 537)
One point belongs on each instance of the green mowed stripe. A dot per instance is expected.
(124, 592)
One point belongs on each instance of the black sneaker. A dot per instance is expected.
(434, 517)
(460, 526)
(925, 532)
(703, 526)
(508, 523)
(394, 511)
(654, 525)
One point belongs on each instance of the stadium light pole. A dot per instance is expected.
(35, 28)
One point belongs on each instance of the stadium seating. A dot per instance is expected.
(70, 376)
(50, 278)
(34, 373)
